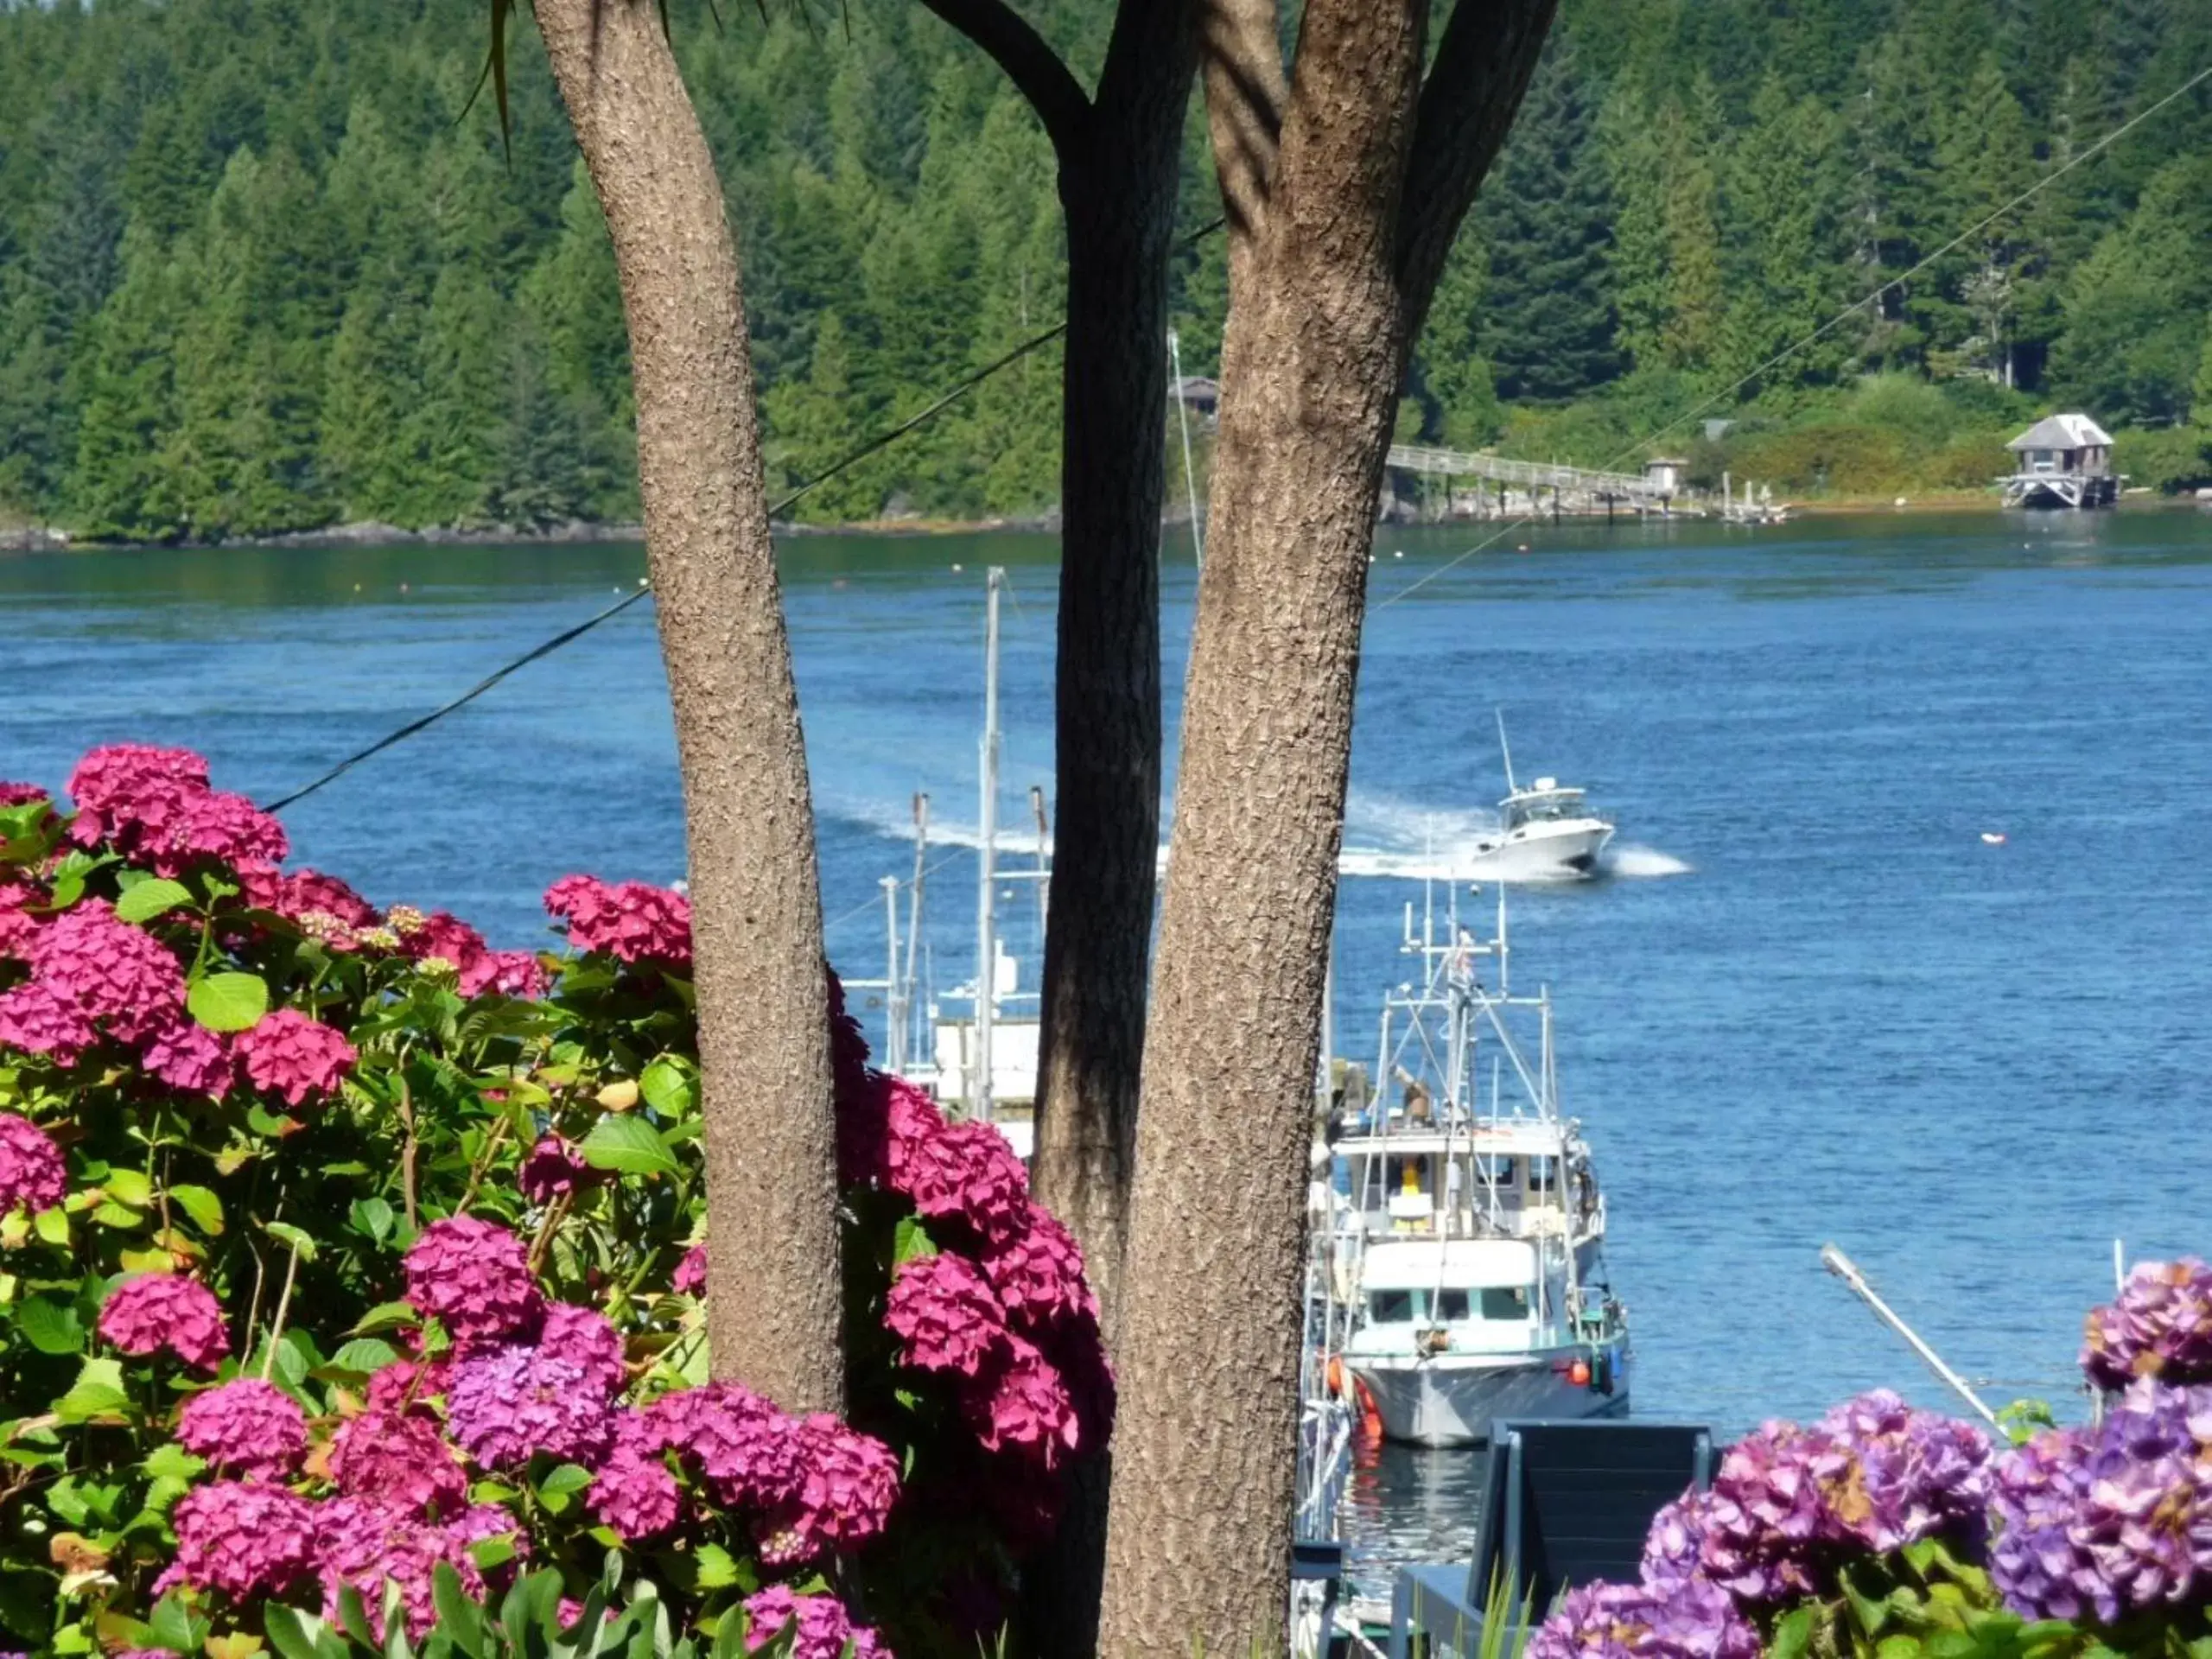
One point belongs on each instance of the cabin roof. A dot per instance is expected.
(2061, 432)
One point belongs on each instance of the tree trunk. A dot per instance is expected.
(1118, 187)
(773, 1280)
(1328, 279)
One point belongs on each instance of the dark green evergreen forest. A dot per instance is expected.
(259, 272)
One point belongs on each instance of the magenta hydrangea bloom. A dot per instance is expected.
(509, 972)
(848, 1484)
(187, 1056)
(473, 1277)
(388, 1456)
(294, 1055)
(635, 1492)
(882, 1128)
(363, 1545)
(310, 893)
(745, 1451)
(395, 1387)
(966, 1171)
(1038, 1273)
(156, 1311)
(1689, 1620)
(848, 1047)
(18, 927)
(945, 1315)
(2159, 1327)
(35, 1019)
(226, 827)
(1020, 1404)
(481, 1522)
(551, 1170)
(630, 921)
(820, 1626)
(117, 975)
(249, 1426)
(505, 1405)
(690, 1278)
(15, 794)
(127, 791)
(32, 1175)
(241, 1538)
(582, 1336)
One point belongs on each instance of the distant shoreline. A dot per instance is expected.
(19, 538)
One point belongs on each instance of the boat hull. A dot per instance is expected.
(1559, 852)
(1452, 1400)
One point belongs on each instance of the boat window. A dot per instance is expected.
(1543, 1175)
(1450, 1305)
(1390, 1306)
(1496, 1172)
(1505, 1302)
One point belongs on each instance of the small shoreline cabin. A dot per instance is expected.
(2063, 460)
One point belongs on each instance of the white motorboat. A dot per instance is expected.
(1473, 1233)
(1546, 832)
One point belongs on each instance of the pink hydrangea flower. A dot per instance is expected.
(481, 1522)
(242, 1538)
(226, 827)
(249, 1426)
(123, 791)
(1022, 1405)
(1038, 1273)
(398, 1459)
(510, 973)
(187, 1056)
(848, 1482)
(881, 1130)
(505, 1405)
(18, 926)
(635, 1492)
(945, 1315)
(690, 1276)
(363, 1545)
(748, 1453)
(966, 1171)
(118, 975)
(630, 921)
(473, 1277)
(38, 1020)
(308, 893)
(551, 1170)
(820, 1626)
(582, 1336)
(14, 794)
(394, 1386)
(294, 1055)
(32, 1174)
(154, 1311)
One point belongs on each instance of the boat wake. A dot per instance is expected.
(1636, 863)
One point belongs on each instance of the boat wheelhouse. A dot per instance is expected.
(1472, 1229)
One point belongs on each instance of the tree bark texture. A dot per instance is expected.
(1321, 320)
(773, 1280)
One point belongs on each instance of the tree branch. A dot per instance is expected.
(1474, 89)
(1033, 67)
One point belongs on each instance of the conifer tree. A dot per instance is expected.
(1549, 333)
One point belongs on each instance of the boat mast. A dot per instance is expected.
(895, 1011)
(1506, 749)
(916, 1032)
(979, 1090)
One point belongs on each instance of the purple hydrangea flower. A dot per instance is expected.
(2160, 1325)
(1691, 1619)
(508, 1404)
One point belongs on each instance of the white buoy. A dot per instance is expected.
(1992, 838)
(956, 569)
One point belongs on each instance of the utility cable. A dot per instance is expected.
(1727, 394)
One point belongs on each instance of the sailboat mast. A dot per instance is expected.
(979, 1092)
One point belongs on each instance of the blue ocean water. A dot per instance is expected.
(1813, 1003)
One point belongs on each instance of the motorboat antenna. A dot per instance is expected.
(1506, 749)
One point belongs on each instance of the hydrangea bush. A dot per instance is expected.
(341, 1254)
(1884, 1531)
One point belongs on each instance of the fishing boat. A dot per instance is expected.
(1547, 832)
(1475, 1247)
